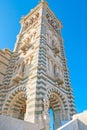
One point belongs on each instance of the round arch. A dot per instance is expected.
(15, 104)
(59, 94)
(58, 102)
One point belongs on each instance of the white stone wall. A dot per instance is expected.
(72, 125)
(82, 120)
(9, 123)
(79, 122)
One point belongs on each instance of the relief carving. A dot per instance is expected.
(18, 72)
(46, 118)
(30, 21)
(26, 38)
(25, 43)
(46, 105)
(52, 22)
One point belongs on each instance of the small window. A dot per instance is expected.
(55, 69)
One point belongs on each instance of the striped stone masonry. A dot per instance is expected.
(34, 78)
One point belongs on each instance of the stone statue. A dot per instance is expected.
(26, 39)
(46, 118)
(46, 105)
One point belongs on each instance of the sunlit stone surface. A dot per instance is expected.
(34, 77)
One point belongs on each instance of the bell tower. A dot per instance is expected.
(38, 77)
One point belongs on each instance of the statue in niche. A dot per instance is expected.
(19, 73)
(36, 16)
(26, 39)
(55, 26)
(26, 66)
(33, 35)
(25, 43)
(50, 20)
(26, 23)
(46, 105)
(31, 58)
(45, 114)
(21, 68)
(27, 63)
(31, 21)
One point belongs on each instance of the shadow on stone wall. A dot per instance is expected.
(82, 125)
(9, 123)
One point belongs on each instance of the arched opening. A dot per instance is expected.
(56, 111)
(17, 107)
(51, 114)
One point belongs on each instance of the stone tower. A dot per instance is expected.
(36, 77)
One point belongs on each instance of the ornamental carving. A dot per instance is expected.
(53, 42)
(46, 105)
(26, 38)
(45, 114)
(18, 72)
(27, 41)
(28, 60)
(31, 21)
(52, 22)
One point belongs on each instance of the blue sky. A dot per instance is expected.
(73, 14)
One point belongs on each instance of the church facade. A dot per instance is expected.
(34, 78)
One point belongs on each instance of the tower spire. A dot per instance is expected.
(43, 0)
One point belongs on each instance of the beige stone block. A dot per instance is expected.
(8, 123)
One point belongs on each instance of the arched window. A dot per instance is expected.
(55, 70)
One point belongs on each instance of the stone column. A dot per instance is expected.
(57, 119)
(46, 117)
